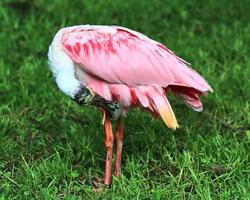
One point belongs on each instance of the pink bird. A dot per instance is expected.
(115, 68)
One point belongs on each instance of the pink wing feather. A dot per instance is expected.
(128, 66)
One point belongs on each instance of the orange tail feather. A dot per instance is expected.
(165, 110)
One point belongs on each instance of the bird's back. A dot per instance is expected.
(127, 66)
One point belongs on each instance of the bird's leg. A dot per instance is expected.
(119, 143)
(109, 146)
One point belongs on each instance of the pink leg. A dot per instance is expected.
(119, 143)
(109, 146)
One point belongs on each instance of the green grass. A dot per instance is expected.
(51, 148)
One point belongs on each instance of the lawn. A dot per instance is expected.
(52, 148)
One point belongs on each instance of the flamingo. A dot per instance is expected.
(114, 68)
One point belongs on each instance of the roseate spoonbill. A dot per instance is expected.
(113, 68)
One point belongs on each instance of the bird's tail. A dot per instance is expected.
(190, 96)
(163, 107)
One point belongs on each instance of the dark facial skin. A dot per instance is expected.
(84, 96)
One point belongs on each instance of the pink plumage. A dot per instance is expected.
(126, 66)
(114, 68)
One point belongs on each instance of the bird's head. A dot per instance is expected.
(84, 95)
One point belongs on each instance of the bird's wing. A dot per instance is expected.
(121, 56)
